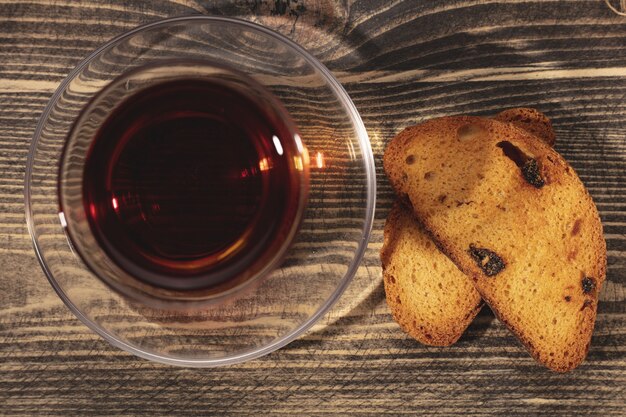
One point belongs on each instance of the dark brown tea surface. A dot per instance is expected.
(191, 183)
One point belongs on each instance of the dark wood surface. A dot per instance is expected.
(401, 62)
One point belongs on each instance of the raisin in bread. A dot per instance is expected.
(514, 216)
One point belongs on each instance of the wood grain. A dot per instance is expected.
(402, 62)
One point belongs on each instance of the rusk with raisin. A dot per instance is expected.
(514, 216)
(429, 297)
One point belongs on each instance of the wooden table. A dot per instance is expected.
(402, 62)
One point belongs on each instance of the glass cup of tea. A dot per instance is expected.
(200, 191)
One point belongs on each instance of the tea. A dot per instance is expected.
(191, 183)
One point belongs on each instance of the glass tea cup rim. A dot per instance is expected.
(370, 175)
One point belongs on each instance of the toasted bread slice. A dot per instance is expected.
(429, 297)
(514, 216)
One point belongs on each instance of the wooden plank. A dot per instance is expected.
(402, 62)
